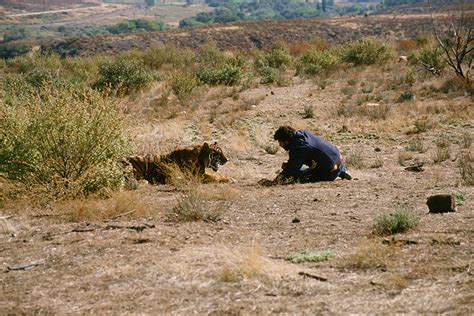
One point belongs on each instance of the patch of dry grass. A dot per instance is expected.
(249, 263)
(121, 205)
(194, 206)
(370, 254)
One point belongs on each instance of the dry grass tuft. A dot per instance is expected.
(403, 157)
(466, 168)
(370, 254)
(193, 206)
(181, 178)
(248, 263)
(6, 227)
(355, 160)
(221, 193)
(121, 205)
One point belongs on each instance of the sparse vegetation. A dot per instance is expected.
(466, 168)
(400, 221)
(309, 256)
(192, 206)
(366, 51)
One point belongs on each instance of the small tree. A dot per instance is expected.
(455, 36)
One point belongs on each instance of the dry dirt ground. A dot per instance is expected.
(126, 255)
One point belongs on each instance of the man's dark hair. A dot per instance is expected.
(284, 133)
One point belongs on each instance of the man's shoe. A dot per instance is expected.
(345, 175)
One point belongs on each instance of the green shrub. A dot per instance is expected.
(123, 76)
(66, 141)
(366, 51)
(315, 62)
(13, 86)
(228, 75)
(210, 55)
(406, 96)
(40, 77)
(268, 75)
(277, 58)
(24, 64)
(398, 222)
(169, 54)
(183, 84)
(431, 58)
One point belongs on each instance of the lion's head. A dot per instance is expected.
(214, 156)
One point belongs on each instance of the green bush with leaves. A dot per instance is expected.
(315, 62)
(227, 74)
(366, 51)
(68, 142)
(278, 57)
(400, 221)
(430, 57)
(183, 84)
(123, 76)
(158, 56)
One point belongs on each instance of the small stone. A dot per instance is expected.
(295, 220)
(441, 203)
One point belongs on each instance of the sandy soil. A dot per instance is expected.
(140, 262)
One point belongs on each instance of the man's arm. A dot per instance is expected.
(293, 167)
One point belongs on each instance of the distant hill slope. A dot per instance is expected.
(252, 34)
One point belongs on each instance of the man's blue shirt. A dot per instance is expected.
(308, 149)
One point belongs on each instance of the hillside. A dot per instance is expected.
(254, 35)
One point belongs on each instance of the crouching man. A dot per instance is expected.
(311, 158)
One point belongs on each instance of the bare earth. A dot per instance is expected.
(137, 261)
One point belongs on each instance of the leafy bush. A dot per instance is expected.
(137, 25)
(65, 141)
(16, 33)
(39, 77)
(278, 57)
(183, 84)
(168, 55)
(24, 64)
(315, 62)
(123, 76)
(268, 74)
(430, 57)
(9, 51)
(13, 86)
(228, 75)
(398, 222)
(210, 55)
(366, 51)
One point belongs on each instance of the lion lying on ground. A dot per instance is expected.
(192, 161)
